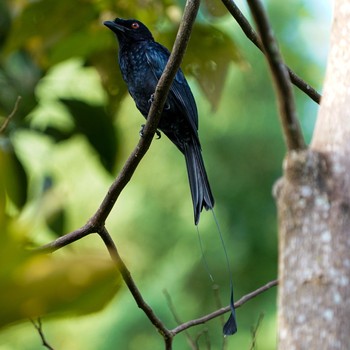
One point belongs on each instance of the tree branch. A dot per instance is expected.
(290, 124)
(10, 116)
(141, 303)
(253, 37)
(225, 309)
(68, 238)
(172, 309)
(255, 331)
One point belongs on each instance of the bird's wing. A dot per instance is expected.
(157, 58)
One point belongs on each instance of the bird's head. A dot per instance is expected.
(129, 30)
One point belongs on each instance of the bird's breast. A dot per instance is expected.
(138, 76)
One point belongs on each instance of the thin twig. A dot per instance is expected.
(10, 116)
(216, 290)
(68, 238)
(290, 124)
(38, 326)
(255, 331)
(204, 333)
(223, 310)
(172, 309)
(253, 37)
(141, 303)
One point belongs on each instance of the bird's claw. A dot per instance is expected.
(150, 101)
(141, 130)
(159, 135)
(166, 106)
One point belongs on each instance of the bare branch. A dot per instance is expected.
(253, 37)
(68, 238)
(10, 116)
(172, 309)
(141, 303)
(38, 326)
(225, 309)
(255, 331)
(290, 124)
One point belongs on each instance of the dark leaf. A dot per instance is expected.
(13, 174)
(97, 126)
(57, 134)
(207, 59)
(106, 64)
(56, 221)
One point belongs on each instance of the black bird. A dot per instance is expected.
(142, 61)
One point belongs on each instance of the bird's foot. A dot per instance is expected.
(159, 135)
(150, 101)
(141, 130)
(166, 106)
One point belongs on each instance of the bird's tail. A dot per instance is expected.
(198, 179)
(202, 197)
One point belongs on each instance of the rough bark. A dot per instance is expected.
(313, 201)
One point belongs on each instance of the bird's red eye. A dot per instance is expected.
(135, 25)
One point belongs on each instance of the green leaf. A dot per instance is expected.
(35, 285)
(97, 126)
(56, 221)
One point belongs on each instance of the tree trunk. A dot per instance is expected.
(313, 201)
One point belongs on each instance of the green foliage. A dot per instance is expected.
(76, 125)
(32, 285)
(35, 285)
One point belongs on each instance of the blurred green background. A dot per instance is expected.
(75, 127)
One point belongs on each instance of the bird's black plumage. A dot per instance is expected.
(142, 61)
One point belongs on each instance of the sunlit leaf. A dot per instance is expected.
(36, 285)
(97, 126)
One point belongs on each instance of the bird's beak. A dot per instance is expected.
(114, 27)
